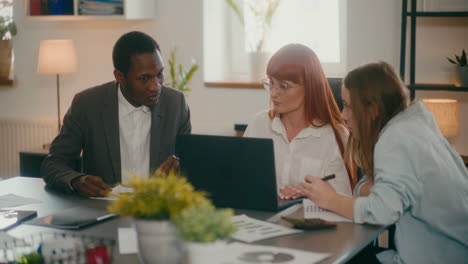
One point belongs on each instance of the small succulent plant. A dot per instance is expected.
(459, 60)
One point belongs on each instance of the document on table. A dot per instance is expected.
(251, 230)
(116, 192)
(13, 200)
(248, 253)
(311, 210)
(127, 241)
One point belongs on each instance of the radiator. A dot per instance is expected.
(21, 134)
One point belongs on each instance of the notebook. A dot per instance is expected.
(73, 218)
(237, 172)
(12, 218)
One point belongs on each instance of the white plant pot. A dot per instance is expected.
(462, 76)
(158, 242)
(258, 62)
(202, 253)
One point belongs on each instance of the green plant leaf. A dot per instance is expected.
(12, 29)
(191, 71)
(255, 11)
(204, 224)
(463, 58)
(452, 61)
(271, 9)
(236, 10)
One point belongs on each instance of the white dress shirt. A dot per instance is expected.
(134, 131)
(314, 151)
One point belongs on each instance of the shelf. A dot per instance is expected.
(438, 14)
(234, 84)
(75, 17)
(438, 87)
(132, 10)
(6, 82)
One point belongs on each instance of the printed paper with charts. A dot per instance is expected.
(311, 210)
(239, 253)
(250, 230)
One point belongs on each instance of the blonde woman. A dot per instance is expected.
(419, 182)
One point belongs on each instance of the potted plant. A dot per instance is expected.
(7, 31)
(462, 68)
(205, 231)
(261, 13)
(154, 202)
(180, 77)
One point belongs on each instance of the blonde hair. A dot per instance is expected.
(377, 94)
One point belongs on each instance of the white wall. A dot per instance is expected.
(373, 34)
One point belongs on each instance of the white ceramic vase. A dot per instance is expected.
(462, 76)
(202, 253)
(258, 62)
(158, 242)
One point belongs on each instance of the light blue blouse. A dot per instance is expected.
(421, 185)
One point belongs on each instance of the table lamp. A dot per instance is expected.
(445, 112)
(57, 57)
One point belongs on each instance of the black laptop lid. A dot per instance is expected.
(237, 172)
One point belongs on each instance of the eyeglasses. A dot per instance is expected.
(282, 85)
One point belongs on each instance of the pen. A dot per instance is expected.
(328, 177)
(105, 217)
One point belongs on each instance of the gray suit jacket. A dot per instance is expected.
(91, 128)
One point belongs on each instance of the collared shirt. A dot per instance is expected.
(421, 185)
(314, 151)
(134, 131)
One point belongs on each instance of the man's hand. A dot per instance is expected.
(90, 186)
(290, 192)
(170, 164)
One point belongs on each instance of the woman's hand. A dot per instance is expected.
(290, 192)
(318, 191)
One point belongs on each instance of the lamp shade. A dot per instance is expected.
(57, 57)
(445, 112)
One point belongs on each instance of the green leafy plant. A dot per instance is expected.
(460, 60)
(204, 224)
(159, 197)
(180, 79)
(31, 258)
(7, 28)
(263, 14)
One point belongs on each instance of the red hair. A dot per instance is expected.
(299, 64)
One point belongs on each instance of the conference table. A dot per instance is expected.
(342, 242)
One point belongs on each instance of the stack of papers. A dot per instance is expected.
(311, 210)
(247, 253)
(251, 230)
(116, 192)
(13, 200)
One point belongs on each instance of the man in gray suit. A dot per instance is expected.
(123, 126)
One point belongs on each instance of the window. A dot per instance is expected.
(318, 24)
(6, 12)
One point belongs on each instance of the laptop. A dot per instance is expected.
(236, 172)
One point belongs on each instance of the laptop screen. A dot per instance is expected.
(236, 172)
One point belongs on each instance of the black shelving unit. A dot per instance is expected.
(413, 14)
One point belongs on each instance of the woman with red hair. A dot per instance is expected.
(304, 122)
